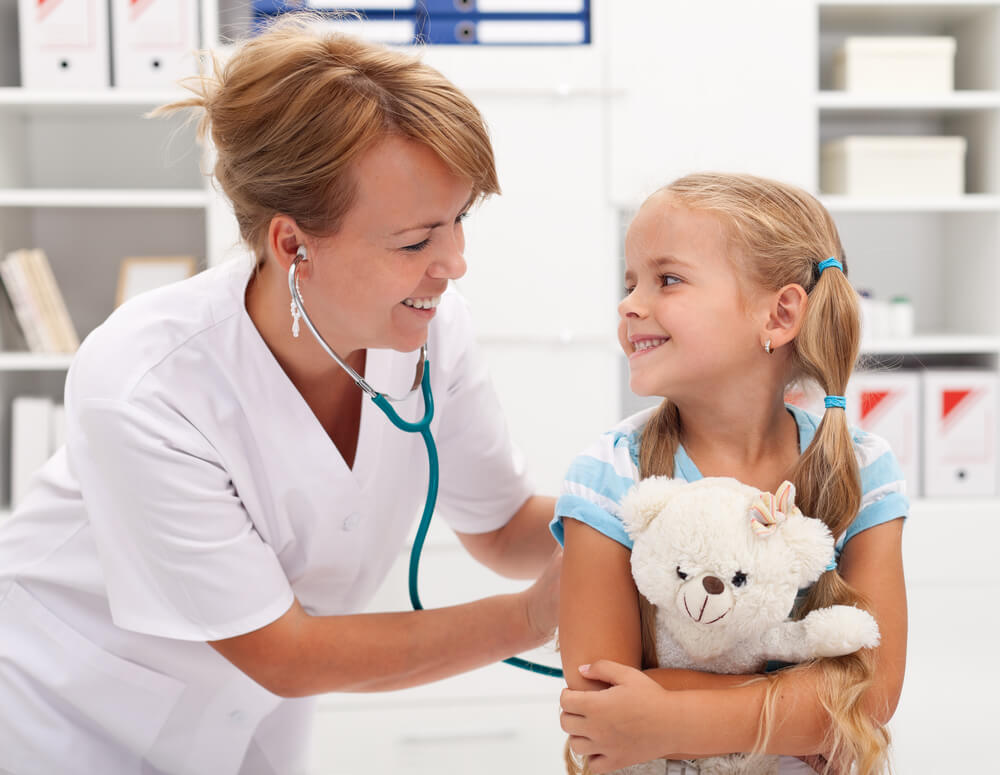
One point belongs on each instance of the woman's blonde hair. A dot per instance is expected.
(291, 110)
(780, 234)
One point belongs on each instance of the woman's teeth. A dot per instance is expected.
(430, 303)
(648, 344)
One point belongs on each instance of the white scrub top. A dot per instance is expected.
(196, 496)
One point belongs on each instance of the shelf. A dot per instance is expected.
(190, 199)
(38, 101)
(970, 203)
(27, 361)
(941, 344)
(842, 102)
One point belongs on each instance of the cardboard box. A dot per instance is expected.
(895, 65)
(887, 404)
(960, 433)
(862, 165)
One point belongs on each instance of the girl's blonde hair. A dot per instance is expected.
(291, 110)
(780, 234)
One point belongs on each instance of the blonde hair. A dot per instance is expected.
(782, 234)
(291, 110)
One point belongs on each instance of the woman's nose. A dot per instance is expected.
(450, 265)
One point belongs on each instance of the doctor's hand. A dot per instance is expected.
(621, 725)
(541, 600)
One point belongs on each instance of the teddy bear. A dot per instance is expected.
(722, 562)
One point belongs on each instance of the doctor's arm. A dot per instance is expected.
(300, 655)
(689, 714)
(522, 547)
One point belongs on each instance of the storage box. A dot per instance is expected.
(887, 404)
(893, 166)
(960, 433)
(896, 65)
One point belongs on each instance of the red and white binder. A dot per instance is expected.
(64, 44)
(155, 42)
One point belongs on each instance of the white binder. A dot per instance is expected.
(64, 44)
(154, 42)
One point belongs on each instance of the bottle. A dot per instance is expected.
(901, 317)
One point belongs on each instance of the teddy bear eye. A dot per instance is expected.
(681, 574)
(739, 579)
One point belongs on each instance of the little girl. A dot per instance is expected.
(735, 287)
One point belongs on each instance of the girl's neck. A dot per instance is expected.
(755, 441)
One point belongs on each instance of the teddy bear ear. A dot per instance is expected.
(811, 542)
(646, 500)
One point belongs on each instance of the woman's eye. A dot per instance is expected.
(417, 247)
(739, 579)
(462, 216)
(681, 574)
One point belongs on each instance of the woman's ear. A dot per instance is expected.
(283, 240)
(786, 314)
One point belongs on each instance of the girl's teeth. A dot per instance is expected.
(646, 344)
(423, 303)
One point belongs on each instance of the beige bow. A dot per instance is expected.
(770, 510)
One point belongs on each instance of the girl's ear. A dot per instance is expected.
(785, 315)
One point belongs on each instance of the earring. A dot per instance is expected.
(767, 347)
(295, 319)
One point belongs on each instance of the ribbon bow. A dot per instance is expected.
(770, 510)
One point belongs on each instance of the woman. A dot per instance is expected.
(190, 566)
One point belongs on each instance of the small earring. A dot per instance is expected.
(295, 319)
(767, 347)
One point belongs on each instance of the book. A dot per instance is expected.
(38, 303)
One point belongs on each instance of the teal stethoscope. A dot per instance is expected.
(422, 426)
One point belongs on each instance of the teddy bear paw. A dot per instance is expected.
(840, 629)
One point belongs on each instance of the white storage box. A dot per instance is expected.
(897, 65)
(893, 166)
(887, 404)
(960, 433)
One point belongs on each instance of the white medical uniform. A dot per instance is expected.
(196, 496)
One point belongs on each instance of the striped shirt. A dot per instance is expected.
(598, 479)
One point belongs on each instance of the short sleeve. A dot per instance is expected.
(594, 487)
(483, 478)
(883, 488)
(181, 556)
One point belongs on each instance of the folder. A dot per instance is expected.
(31, 439)
(64, 44)
(507, 6)
(507, 31)
(154, 42)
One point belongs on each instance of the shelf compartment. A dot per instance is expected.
(934, 344)
(185, 199)
(839, 102)
(970, 203)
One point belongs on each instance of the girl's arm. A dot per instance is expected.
(598, 608)
(637, 720)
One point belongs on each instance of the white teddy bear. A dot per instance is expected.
(722, 563)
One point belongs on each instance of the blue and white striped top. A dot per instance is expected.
(599, 478)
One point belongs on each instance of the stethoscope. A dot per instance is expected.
(422, 379)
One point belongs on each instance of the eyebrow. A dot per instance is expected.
(429, 226)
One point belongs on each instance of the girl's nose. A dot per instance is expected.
(629, 307)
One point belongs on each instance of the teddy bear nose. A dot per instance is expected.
(713, 585)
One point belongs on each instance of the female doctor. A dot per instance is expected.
(189, 568)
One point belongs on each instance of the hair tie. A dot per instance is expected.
(827, 263)
(832, 565)
(839, 402)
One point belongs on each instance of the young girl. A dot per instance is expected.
(735, 287)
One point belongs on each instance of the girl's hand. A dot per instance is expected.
(620, 725)
(541, 600)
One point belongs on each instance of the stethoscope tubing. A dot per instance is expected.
(421, 426)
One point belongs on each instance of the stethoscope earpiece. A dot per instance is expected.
(300, 254)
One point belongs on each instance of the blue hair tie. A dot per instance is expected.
(827, 263)
(832, 565)
(830, 402)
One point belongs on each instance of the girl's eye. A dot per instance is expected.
(417, 247)
(681, 574)
(629, 289)
(739, 579)
(668, 279)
